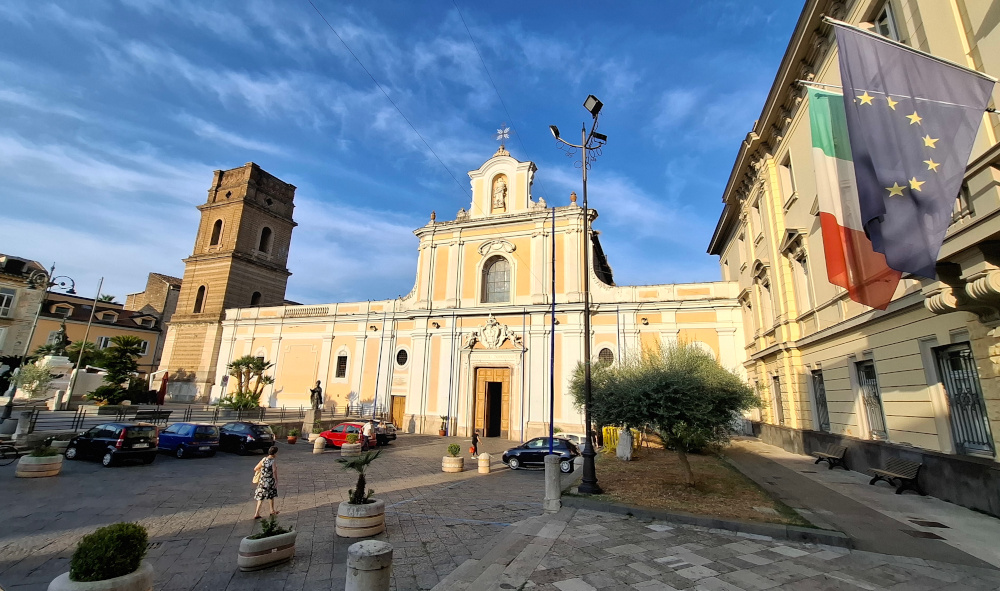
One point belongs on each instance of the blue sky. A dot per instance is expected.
(113, 115)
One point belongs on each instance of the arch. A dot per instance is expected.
(199, 300)
(606, 356)
(216, 233)
(265, 240)
(255, 299)
(497, 279)
(705, 347)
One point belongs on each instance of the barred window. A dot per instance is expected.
(401, 357)
(341, 366)
(496, 280)
(606, 356)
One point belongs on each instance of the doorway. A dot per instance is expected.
(492, 401)
(398, 409)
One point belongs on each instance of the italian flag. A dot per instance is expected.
(850, 261)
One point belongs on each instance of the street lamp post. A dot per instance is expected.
(589, 142)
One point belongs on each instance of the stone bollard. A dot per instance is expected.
(484, 463)
(319, 445)
(553, 488)
(23, 426)
(369, 566)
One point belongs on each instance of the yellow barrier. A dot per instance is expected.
(611, 438)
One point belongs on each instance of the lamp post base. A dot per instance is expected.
(588, 485)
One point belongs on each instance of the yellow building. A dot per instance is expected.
(472, 340)
(919, 377)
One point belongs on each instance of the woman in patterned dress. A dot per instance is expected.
(267, 488)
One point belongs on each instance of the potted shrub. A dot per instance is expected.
(453, 462)
(42, 461)
(293, 436)
(271, 545)
(110, 559)
(351, 448)
(360, 515)
(444, 426)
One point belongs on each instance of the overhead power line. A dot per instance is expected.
(389, 98)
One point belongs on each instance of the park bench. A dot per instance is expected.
(833, 456)
(904, 472)
(152, 416)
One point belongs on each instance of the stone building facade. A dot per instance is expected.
(158, 300)
(921, 377)
(472, 340)
(18, 304)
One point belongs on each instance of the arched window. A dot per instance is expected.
(216, 233)
(265, 240)
(401, 357)
(496, 280)
(199, 300)
(255, 299)
(606, 356)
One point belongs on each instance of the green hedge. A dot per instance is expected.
(112, 551)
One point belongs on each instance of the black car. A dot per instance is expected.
(115, 442)
(533, 453)
(245, 436)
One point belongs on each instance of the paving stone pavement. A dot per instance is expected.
(197, 510)
(602, 551)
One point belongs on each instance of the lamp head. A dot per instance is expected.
(600, 137)
(71, 291)
(555, 131)
(593, 104)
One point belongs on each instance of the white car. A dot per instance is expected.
(576, 438)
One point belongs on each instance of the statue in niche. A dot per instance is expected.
(500, 193)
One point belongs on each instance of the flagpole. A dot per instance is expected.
(926, 100)
(83, 345)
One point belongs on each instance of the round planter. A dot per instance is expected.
(140, 580)
(360, 521)
(265, 552)
(34, 467)
(292, 439)
(319, 445)
(350, 450)
(440, 432)
(60, 446)
(450, 464)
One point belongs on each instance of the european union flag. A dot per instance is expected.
(912, 120)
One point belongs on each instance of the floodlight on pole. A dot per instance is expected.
(593, 104)
(555, 131)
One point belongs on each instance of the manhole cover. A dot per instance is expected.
(923, 523)
(922, 534)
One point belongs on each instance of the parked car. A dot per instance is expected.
(245, 436)
(338, 435)
(576, 438)
(115, 442)
(533, 453)
(187, 439)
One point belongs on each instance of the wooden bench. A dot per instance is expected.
(903, 472)
(833, 456)
(153, 416)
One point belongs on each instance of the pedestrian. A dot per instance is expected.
(366, 435)
(475, 443)
(267, 483)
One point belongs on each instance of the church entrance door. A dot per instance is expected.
(398, 410)
(492, 404)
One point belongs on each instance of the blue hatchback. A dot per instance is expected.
(187, 439)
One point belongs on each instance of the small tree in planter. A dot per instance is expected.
(42, 461)
(444, 426)
(271, 545)
(360, 515)
(351, 448)
(293, 435)
(112, 555)
(34, 380)
(453, 462)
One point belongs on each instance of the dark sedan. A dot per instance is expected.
(115, 442)
(245, 436)
(533, 453)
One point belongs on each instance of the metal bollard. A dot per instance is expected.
(369, 566)
(484, 463)
(319, 445)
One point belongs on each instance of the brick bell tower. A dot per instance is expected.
(240, 260)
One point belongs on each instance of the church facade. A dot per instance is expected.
(470, 346)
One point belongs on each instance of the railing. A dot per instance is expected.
(81, 418)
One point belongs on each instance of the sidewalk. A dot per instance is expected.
(875, 517)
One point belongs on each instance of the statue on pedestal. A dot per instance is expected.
(316, 396)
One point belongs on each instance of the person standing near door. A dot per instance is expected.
(475, 443)
(366, 435)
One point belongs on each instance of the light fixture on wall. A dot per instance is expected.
(644, 320)
(373, 328)
(436, 324)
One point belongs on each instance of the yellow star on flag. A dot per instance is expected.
(930, 141)
(866, 99)
(892, 103)
(915, 184)
(914, 118)
(931, 165)
(895, 189)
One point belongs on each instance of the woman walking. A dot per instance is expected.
(267, 486)
(475, 443)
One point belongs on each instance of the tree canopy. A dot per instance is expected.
(680, 390)
(250, 381)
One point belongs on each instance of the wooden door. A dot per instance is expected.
(485, 375)
(398, 410)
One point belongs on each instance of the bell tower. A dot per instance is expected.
(240, 260)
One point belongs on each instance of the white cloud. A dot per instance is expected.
(212, 132)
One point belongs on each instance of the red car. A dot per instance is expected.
(338, 435)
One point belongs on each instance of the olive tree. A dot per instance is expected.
(679, 390)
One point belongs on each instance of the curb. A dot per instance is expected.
(792, 533)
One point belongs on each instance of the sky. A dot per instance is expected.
(114, 113)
